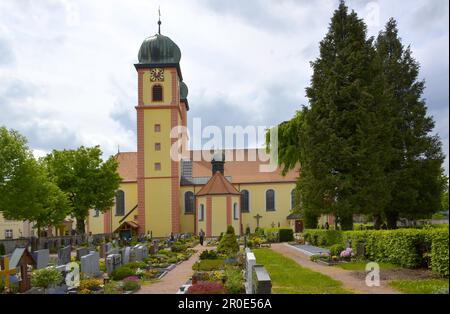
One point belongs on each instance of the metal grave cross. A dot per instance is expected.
(6, 272)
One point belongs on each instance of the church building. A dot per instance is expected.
(160, 195)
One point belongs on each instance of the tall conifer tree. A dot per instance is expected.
(346, 135)
(415, 170)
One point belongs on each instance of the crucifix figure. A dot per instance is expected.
(257, 217)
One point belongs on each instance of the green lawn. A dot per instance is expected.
(289, 277)
(425, 286)
(362, 266)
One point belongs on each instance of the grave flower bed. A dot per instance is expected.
(206, 287)
(324, 259)
(90, 286)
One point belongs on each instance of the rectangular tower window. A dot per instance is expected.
(157, 146)
(157, 127)
(157, 166)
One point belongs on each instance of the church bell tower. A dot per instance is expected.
(162, 106)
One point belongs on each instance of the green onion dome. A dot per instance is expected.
(159, 49)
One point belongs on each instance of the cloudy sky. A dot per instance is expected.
(67, 76)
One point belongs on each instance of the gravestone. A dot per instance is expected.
(82, 251)
(361, 249)
(144, 251)
(155, 247)
(261, 280)
(125, 255)
(113, 261)
(64, 255)
(42, 258)
(90, 264)
(102, 250)
(250, 263)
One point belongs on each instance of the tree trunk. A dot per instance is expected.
(81, 226)
(392, 218)
(346, 222)
(377, 222)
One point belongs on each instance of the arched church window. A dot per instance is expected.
(245, 201)
(235, 211)
(189, 202)
(293, 199)
(157, 93)
(270, 200)
(120, 203)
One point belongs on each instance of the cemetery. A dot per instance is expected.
(97, 266)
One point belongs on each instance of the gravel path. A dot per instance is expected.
(349, 280)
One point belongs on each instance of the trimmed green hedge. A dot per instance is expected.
(323, 237)
(439, 252)
(284, 234)
(409, 248)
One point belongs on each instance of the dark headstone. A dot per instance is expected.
(261, 280)
(82, 252)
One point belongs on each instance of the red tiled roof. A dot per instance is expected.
(218, 185)
(127, 166)
(241, 170)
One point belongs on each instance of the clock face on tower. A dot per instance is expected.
(157, 75)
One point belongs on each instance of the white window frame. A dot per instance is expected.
(201, 212)
(235, 211)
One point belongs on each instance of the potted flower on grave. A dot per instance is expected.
(347, 254)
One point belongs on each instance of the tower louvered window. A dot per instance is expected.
(157, 93)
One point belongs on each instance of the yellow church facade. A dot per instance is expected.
(160, 194)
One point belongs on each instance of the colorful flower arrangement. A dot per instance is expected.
(347, 253)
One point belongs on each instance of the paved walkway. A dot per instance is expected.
(349, 280)
(175, 278)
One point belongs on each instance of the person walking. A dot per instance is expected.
(202, 236)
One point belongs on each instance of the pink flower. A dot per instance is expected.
(132, 278)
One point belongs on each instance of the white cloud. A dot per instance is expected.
(250, 57)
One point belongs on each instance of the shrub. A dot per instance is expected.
(250, 244)
(2, 249)
(206, 287)
(208, 265)
(228, 244)
(151, 274)
(234, 280)
(409, 248)
(91, 284)
(130, 285)
(177, 247)
(285, 234)
(336, 249)
(135, 265)
(323, 237)
(208, 254)
(102, 265)
(122, 272)
(439, 252)
(46, 277)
